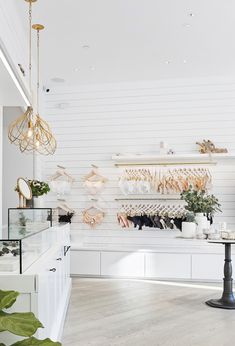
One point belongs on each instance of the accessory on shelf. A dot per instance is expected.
(208, 147)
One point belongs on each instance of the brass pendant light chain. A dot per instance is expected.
(30, 47)
(38, 69)
(30, 132)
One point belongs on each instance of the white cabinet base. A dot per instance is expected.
(165, 266)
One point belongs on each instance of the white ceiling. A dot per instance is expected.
(134, 39)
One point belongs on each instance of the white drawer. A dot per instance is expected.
(122, 264)
(176, 266)
(85, 262)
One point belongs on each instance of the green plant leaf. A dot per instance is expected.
(2, 345)
(23, 324)
(7, 299)
(35, 342)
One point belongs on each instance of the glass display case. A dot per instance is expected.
(29, 236)
(27, 221)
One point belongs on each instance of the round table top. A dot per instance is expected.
(222, 241)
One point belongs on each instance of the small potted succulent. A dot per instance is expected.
(189, 226)
(203, 205)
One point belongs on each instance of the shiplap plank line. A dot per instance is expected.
(106, 119)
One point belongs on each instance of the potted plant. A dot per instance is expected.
(189, 226)
(39, 188)
(203, 205)
(21, 324)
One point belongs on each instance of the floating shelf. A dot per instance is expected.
(168, 160)
(148, 199)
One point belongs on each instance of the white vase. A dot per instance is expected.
(188, 229)
(38, 202)
(202, 222)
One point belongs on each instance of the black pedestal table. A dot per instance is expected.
(227, 301)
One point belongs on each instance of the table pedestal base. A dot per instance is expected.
(227, 301)
(219, 303)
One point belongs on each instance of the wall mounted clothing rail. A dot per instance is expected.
(149, 199)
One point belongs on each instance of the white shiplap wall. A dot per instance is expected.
(101, 120)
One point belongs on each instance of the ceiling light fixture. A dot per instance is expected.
(41, 140)
(30, 132)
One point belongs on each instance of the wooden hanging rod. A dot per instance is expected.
(148, 199)
(165, 163)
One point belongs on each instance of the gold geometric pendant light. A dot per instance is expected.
(30, 132)
(42, 140)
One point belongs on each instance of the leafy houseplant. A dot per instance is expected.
(39, 188)
(200, 202)
(21, 324)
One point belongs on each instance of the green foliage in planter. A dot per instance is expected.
(21, 324)
(200, 202)
(190, 217)
(39, 188)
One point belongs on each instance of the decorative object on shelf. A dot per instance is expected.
(189, 226)
(94, 181)
(163, 148)
(152, 215)
(171, 152)
(208, 147)
(21, 324)
(203, 205)
(24, 190)
(30, 132)
(94, 215)
(228, 235)
(164, 180)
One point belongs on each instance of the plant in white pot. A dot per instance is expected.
(189, 226)
(203, 205)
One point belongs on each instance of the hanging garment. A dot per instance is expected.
(61, 188)
(66, 218)
(92, 220)
(94, 182)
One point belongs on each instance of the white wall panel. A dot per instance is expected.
(102, 120)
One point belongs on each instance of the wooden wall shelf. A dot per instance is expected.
(170, 160)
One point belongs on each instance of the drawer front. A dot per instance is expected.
(122, 264)
(207, 267)
(85, 262)
(176, 266)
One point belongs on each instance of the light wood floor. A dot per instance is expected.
(125, 312)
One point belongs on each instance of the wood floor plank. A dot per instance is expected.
(106, 312)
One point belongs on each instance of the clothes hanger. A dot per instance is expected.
(64, 206)
(61, 172)
(95, 174)
(94, 206)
